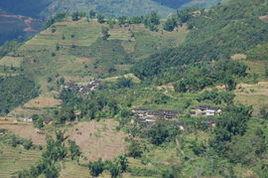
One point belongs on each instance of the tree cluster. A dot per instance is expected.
(115, 167)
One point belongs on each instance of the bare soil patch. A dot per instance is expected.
(98, 139)
(264, 18)
(239, 56)
(42, 102)
(26, 131)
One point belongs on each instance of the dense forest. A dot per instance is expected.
(213, 36)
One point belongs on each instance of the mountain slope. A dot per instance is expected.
(219, 33)
(17, 27)
(45, 8)
(31, 8)
(187, 3)
(111, 7)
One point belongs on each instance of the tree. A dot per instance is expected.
(117, 166)
(122, 20)
(74, 150)
(151, 21)
(96, 168)
(50, 170)
(230, 83)
(162, 132)
(125, 83)
(114, 169)
(264, 113)
(76, 16)
(111, 22)
(100, 18)
(232, 123)
(123, 162)
(105, 33)
(170, 24)
(266, 71)
(134, 149)
(92, 14)
(38, 121)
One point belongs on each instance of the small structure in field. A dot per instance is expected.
(205, 111)
(29, 120)
(47, 121)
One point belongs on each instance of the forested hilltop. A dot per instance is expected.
(95, 95)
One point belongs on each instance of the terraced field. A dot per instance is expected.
(74, 51)
(16, 159)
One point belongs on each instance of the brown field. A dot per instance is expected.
(42, 102)
(24, 130)
(253, 94)
(98, 139)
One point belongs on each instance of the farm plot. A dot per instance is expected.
(253, 94)
(98, 139)
(26, 131)
(16, 159)
(42, 102)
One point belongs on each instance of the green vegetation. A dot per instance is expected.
(115, 167)
(173, 86)
(55, 151)
(8, 47)
(213, 37)
(15, 91)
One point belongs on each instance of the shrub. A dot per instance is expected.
(96, 168)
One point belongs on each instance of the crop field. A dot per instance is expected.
(42, 102)
(253, 94)
(73, 50)
(98, 139)
(71, 169)
(26, 131)
(16, 159)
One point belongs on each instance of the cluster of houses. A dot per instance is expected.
(150, 116)
(85, 88)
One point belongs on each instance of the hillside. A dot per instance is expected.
(22, 18)
(17, 27)
(19, 13)
(219, 33)
(188, 3)
(184, 96)
(46, 8)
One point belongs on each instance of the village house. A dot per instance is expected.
(29, 120)
(205, 111)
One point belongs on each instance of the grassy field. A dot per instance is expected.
(71, 169)
(255, 95)
(16, 159)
